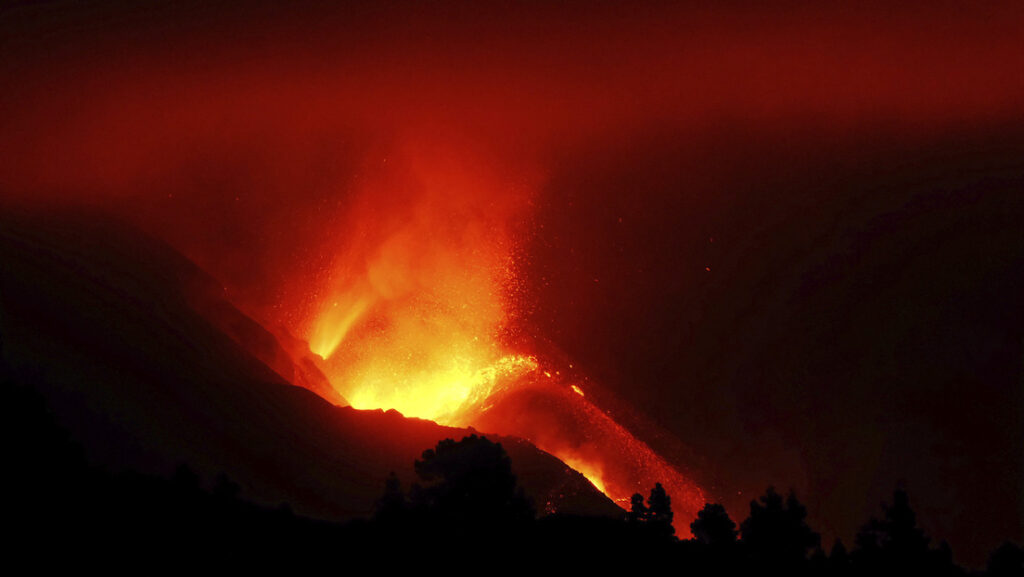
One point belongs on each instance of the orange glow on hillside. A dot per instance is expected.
(588, 470)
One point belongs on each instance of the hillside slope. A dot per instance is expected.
(147, 367)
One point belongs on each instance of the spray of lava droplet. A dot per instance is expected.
(416, 309)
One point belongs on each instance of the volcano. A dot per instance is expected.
(140, 357)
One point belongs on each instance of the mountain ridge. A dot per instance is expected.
(145, 377)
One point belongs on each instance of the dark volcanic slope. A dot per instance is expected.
(116, 328)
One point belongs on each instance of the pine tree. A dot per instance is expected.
(659, 505)
(713, 526)
(777, 530)
(638, 512)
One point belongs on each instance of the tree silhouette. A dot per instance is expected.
(470, 482)
(226, 489)
(659, 505)
(392, 505)
(1006, 561)
(896, 545)
(713, 526)
(655, 518)
(896, 535)
(777, 531)
(637, 510)
(839, 559)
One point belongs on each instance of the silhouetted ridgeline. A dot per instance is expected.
(143, 361)
(97, 330)
(466, 507)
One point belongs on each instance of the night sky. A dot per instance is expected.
(789, 237)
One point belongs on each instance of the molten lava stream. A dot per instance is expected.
(557, 418)
(515, 396)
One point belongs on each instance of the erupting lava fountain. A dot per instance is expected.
(419, 313)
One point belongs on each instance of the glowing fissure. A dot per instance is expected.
(446, 395)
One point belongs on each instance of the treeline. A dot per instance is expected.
(60, 513)
(466, 511)
(454, 499)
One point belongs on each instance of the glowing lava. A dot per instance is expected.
(415, 315)
(447, 393)
(588, 470)
(416, 303)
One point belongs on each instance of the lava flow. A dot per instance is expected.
(419, 311)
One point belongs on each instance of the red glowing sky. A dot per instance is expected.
(284, 108)
(109, 97)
